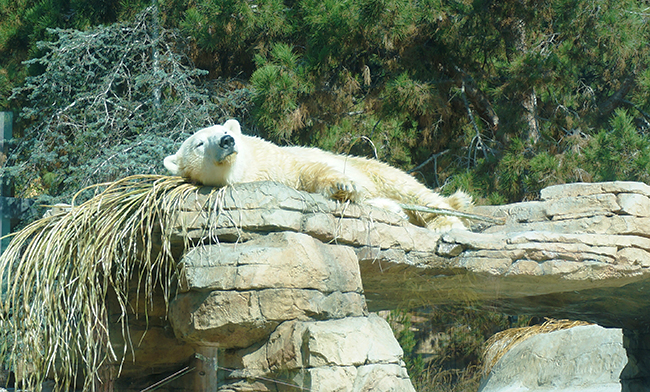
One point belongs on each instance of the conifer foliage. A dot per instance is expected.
(501, 98)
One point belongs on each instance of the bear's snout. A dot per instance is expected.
(219, 148)
(227, 142)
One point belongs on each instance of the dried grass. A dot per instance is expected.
(501, 342)
(57, 271)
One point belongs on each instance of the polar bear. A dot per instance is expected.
(221, 155)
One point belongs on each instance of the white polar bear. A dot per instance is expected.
(221, 155)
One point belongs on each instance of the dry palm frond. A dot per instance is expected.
(501, 342)
(57, 272)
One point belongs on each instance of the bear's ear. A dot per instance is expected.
(233, 126)
(172, 165)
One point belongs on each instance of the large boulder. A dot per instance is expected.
(349, 354)
(233, 295)
(582, 358)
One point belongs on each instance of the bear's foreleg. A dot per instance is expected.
(317, 177)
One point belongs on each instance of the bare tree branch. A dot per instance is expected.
(456, 213)
(617, 98)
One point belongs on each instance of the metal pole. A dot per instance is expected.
(205, 375)
(6, 127)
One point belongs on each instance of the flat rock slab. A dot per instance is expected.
(578, 241)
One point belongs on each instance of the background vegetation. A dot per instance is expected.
(501, 98)
(443, 345)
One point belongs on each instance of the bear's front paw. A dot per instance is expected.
(344, 191)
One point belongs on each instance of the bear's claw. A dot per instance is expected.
(343, 191)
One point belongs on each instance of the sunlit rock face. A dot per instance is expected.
(285, 280)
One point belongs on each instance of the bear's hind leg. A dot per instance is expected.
(459, 201)
(388, 204)
(442, 223)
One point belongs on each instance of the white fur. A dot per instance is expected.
(202, 158)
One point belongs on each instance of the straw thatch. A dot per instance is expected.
(57, 272)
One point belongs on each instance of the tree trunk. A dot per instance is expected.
(478, 99)
(529, 98)
(482, 105)
(529, 102)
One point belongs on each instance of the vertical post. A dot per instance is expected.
(6, 133)
(156, 55)
(205, 375)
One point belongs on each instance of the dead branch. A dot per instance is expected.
(456, 213)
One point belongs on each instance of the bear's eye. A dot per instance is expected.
(199, 144)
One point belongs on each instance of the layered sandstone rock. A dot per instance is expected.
(281, 281)
(579, 241)
(268, 307)
(285, 309)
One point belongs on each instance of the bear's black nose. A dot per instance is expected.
(227, 142)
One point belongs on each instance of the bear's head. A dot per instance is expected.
(208, 155)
